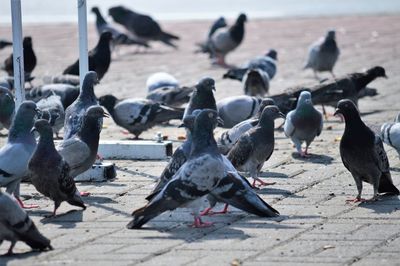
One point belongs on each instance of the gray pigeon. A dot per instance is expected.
(118, 38)
(205, 45)
(256, 82)
(229, 137)
(256, 145)
(53, 107)
(390, 134)
(363, 154)
(63, 79)
(80, 151)
(196, 178)
(75, 112)
(171, 96)
(15, 225)
(49, 172)
(303, 123)
(202, 97)
(143, 27)
(323, 54)
(68, 93)
(160, 80)
(15, 154)
(236, 109)
(137, 115)
(226, 40)
(266, 62)
(7, 108)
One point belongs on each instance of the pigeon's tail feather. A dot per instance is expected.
(254, 83)
(167, 37)
(235, 73)
(76, 200)
(252, 203)
(33, 238)
(169, 113)
(386, 185)
(385, 133)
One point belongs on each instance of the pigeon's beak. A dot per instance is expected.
(213, 88)
(337, 112)
(182, 125)
(38, 112)
(33, 130)
(220, 121)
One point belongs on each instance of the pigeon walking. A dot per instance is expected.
(304, 123)
(75, 112)
(53, 110)
(49, 172)
(15, 225)
(323, 54)
(137, 115)
(202, 97)
(390, 134)
(363, 154)
(256, 145)
(29, 59)
(143, 27)
(205, 45)
(15, 154)
(7, 108)
(99, 57)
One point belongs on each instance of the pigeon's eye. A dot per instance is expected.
(210, 115)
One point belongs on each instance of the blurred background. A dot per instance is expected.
(39, 11)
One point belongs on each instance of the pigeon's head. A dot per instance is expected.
(95, 10)
(265, 102)
(331, 34)
(269, 113)
(272, 54)
(221, 22)
(377, 72)
(108, 101)
(91, 79)
(96, 111)
(347, 109)
(26, 114)
(27, 42)
(304, 98)
(206, 120)
(43, 127)
(206, 84)
(106, 36)
(241, 19)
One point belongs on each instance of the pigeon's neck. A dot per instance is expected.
(204, 99)
(90, 133)
(203, 141)
(99, 19)
(46, 142)
(267, 125)
(87, 92)
(103, 45)
(237, 32)
(354, 124)
(21, 130)
(363, 79)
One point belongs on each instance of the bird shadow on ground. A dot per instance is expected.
(386, 204)
(68, 219)
(314, 158)
(4, 259)
(277, 191)
(122, 56)
(273, 174)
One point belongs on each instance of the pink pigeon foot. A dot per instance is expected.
(209, 211)
(262, 183)
(198, 223)
(84, 194)
(355, 200)
(28, 206)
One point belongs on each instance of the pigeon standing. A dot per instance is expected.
(29, 59)
(390, 134)
(53, 110)
(225, 40)
(200, 174)
(143, 27)
(363, 154)
(15, 225)
(256, 145)
(118, 38)
(303, 123)
(202, 97)
(7, 108)
(99, 57)
(137, 115)
(75, 112)
(323, 54)
(15, 154)
(205, 46)
(49, 172)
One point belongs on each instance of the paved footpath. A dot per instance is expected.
(316, 226)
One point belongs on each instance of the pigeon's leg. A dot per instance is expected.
(209, 211)
(10, 249)
(359, 189)
(20, 202)
(376, 193)
(324, 113)
(261, 183)
(198, 223)
(84, 193)
(56, 205)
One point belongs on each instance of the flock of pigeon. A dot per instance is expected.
(203, 171)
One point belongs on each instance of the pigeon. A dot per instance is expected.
(256, 145)
(99, 57)
(363, 154)
(7, 108)
(204, 46)
(229, 137)
(199, 175)
(161, 80)
(303, 123)
(4, 44)
(29, 59)
(143, 27)
(49, 172)
(323, 54)
(80, 151)
(236, 109)
(63, 79)
(15, 225)
(137, 115)
(74, 112)
(54, 110)
(171, 96)
(202, 97)
(267, 63)
(15, 154)
(256, 82)
(68, 93)
(390, 134)
(224, 40)
(118, 38)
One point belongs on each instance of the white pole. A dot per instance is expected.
(83, 43)
(18, 55)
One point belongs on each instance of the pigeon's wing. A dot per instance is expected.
(65, 180)
(313, 53)
(72, 69)
(288, 127)
(13, 160)
(74, 152)
(222, 41)
(241, 151)
(380, 157)
(321, 124)
(73, 122)
(145, 26)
